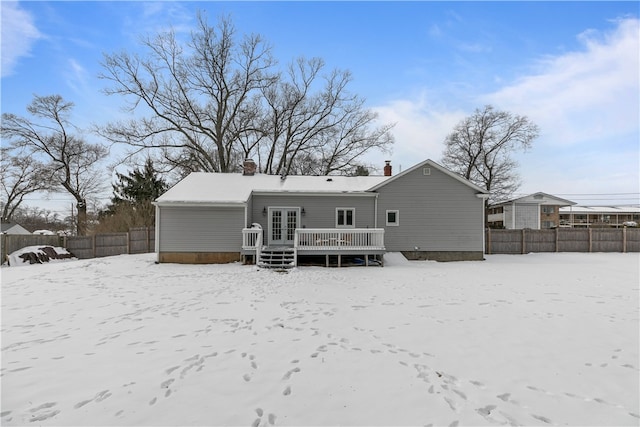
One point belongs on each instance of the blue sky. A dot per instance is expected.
(571, 67)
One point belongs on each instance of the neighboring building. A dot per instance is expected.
(425, 212)
(12, 228)
(535, 211)
(599, 216)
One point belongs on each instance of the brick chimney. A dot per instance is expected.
(387, 168)
(249, 167)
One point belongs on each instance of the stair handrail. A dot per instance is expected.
(258, 246)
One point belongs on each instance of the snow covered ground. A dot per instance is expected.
(539, 339)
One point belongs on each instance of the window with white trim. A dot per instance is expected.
(345, 217)
(393, 218)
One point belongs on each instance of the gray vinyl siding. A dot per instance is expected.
(320, 210)
(436, 213)
(201, 229)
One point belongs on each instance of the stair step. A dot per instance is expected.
(277, 258)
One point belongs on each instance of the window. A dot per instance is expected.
(393, 218)
(345, 217)
(548, 209)
(548, 224)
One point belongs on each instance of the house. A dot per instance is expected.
(425, 212)
(12, 228)
(535, 211)
(599, 216)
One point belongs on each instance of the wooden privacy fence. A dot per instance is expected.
(135, 241)
(12, 242)
(563, 240)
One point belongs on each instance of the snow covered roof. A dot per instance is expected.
(601, 209)
(539, 198)
(12, 228)
(235, 188)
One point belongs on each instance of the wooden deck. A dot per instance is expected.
(330, 242)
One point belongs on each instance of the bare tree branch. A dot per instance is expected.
(207, 104)
(481, 145)
(69, 160)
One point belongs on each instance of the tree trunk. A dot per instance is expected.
(82, 218)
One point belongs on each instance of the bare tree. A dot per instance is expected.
(318, 132)
(70, 160)
(20, 175)
(212, 102)
(198, 95)
(481, 145)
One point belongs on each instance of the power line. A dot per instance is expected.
(597, 194)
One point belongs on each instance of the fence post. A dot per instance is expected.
(590, 240)
(128, 243)
(148, 239)
(93, 245)
(624, 240)
(557, 239)
(523, 242)
(488, 241)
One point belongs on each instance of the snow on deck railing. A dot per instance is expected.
(339, 239)
(251, 238)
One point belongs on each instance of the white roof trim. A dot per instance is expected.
(551, 200)
(227, 204)
(434, 165)
(311, 193)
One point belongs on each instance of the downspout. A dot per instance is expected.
(484, 197)
(513, 216)
(375, 212)
(157, 234)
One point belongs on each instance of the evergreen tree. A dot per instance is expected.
(131, 204)
(138, 186)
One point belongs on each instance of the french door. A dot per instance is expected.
(282, 226)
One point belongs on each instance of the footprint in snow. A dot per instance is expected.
(290, 372)
(541, 418)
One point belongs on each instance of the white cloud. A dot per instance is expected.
(77, 77)
(587, 106)
(19, 33)
(579, 97)
(150, 18)
(420, 129)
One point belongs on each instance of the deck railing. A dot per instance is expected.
(318, 239)
(251, 238)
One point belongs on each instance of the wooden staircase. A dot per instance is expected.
(277, 257)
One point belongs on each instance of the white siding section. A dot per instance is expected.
(201, 229)
(527, 216)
